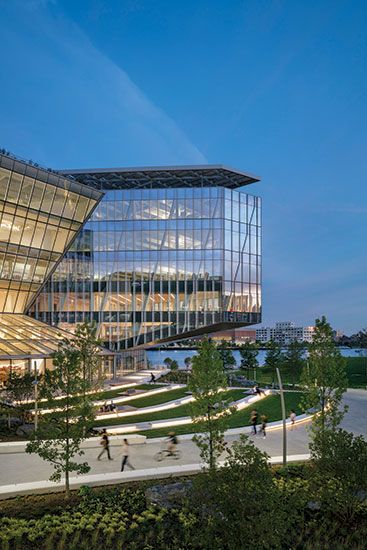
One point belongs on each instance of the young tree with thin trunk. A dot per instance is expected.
(188, 361)
(293, 361)
(85, 340)
(60, 433)
(167, 361)
(174, 365)
(274, 358)
(226, 355)
(209, 409)
(325, 379)
(249, 352)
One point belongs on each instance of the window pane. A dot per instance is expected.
(47, 198)
(27, 189)
(5, 227)
(36, 199)
(14, 187)
(59, 202)
(4, 182)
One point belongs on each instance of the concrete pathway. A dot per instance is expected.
(17, 468)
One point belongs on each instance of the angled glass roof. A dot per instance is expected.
(162, 176)
(22, 336)
(40, 215)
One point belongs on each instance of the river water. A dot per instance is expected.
(156, 357)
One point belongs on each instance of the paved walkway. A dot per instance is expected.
(20, 467)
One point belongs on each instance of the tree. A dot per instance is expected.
(167, 361)
(293, 360)
(325, 379)
(209, 410)
(339, 479)
(274, 358)
(188, 361)
(341, 455)
(236, 503)
(362, 338)
(173, 365)
(20, 392)
(60, 433)
(86, 342)
(249, 353)
(226, 355)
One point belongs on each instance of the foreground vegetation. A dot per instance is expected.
(246, 504)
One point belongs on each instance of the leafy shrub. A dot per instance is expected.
(341, 455)
(292, 471)
(116, 499)
(237, 503)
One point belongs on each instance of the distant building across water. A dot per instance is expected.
(284, 333)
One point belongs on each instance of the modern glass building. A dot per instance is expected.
(169, 253)
(41, 213)
(150, 254)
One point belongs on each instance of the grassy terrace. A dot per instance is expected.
(356, 373)
(269, 406)
(177, 412)
(108, 394)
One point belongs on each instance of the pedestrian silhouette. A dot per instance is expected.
(264, 421)
(105, 442)
(253, 420)
(126, 455)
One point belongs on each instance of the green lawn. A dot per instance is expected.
(356, 373)
(177, 412)
(269, 406)
(105, 395)
(151, 400)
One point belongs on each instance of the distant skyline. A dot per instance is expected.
(276, 88)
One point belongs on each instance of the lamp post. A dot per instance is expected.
(35, 382)
(283, 418)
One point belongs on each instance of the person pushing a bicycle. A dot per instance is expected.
(172, 443)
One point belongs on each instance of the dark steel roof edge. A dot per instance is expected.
(183, 167)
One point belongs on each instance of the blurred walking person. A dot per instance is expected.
(264, 421)
(293, 417)
(253, 420)
(105, 442)
(126, 455)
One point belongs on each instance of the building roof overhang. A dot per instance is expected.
(211, 175)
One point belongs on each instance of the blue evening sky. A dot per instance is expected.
(275, 87)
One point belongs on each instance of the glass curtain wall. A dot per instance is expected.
(40, 214)
(155, 263)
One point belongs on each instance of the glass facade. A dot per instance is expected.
(40, 214)
(159, 263)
